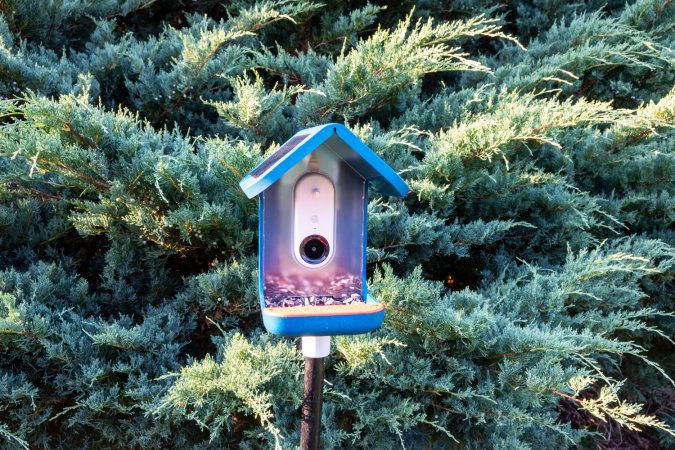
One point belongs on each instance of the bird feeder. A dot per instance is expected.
(312, 232)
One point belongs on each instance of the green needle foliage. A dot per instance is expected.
(528, 278)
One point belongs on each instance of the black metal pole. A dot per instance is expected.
(312, 399)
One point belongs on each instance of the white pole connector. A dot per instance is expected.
(315, 346)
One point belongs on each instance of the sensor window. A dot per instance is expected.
(314, 249)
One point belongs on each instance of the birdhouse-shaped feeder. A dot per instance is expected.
(312, 232)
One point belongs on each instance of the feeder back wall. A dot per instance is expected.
(283, 275)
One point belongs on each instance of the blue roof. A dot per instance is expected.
(359, 156)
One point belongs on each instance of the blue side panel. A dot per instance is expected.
(364, 287)
(261, 239)
(324, 325)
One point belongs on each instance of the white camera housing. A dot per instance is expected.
(314, 217)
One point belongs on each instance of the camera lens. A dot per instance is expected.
(314, 249)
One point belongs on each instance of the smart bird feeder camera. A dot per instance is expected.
(312, 232)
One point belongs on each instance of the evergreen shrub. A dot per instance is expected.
(528, 278)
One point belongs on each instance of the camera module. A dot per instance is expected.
(314, 249)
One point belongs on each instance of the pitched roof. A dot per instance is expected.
(359, 156)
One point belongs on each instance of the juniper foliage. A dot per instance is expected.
(528, 276)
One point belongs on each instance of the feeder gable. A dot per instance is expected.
(339, 140)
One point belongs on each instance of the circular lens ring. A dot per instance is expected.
(320, 241)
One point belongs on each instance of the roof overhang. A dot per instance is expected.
(339, 139)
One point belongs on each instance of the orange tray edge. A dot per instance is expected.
(325, 310)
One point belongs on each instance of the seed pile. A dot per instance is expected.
(312, 300)
(286, 291)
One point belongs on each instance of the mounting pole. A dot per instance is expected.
(314, 348)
